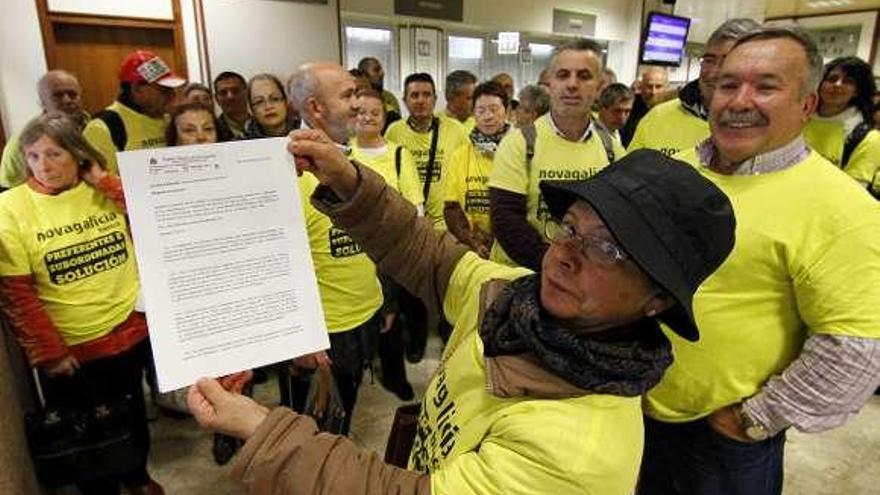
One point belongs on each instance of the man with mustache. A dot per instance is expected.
(563, 144)
(681, 123)
(788, 324)
(324, 95)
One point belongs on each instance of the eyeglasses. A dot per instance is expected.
(488, 110)
(597, 249)
(271, 100)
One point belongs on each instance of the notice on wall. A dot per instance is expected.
(224, 259)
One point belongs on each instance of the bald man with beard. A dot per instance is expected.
(351, 296)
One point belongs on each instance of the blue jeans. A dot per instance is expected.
(692, 459)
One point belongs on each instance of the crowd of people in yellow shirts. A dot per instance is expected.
(534, 395)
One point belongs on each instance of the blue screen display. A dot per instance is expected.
(665, 39)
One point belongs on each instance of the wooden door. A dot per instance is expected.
(93, 47)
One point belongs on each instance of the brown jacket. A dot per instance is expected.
(287, 455)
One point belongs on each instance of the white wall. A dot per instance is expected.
(252, 36)
(867, 21)
(22, 63)
(249, 36)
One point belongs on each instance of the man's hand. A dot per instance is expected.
(313, 360)
(317, 154)
(727, 421)
(65, 366)
(225, 412)
(482, 240)
(388, 322)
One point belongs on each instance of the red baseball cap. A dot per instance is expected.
(144, 66)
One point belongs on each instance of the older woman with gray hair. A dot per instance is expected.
(68, 284)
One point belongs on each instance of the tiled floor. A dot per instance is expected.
(845, 461)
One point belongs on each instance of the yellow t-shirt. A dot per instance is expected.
(827, 137)
(467, 126)
(466, 182)
(77, 247)
(350, 290)
(142, 131)
(555, 158)
(13, 165)
(385, 164)
(419, 144)
(669, 128)
(810, 266)
(474, 442)
(390, 101)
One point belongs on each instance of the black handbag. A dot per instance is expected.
(332, 418)
(92, 441)
(402, 435)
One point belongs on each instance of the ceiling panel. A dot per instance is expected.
(706, 16)
(791, 8)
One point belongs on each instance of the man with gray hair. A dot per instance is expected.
(681, 123)
(564, 144)
(789, 333)
(59, 92)
(459, 91)
(324, 95)
(534, 101)
(615, 105)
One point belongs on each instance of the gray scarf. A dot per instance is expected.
(485, 143)
(625, 361)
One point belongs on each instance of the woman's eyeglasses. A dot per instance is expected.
(600, 250)
(271, 100)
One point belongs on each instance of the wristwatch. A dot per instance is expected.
(751, 427)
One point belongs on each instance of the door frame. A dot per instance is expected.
(48, 20)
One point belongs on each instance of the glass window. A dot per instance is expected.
(539, 54)
(465, 53)
(361, 41)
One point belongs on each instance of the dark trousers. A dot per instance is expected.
(350, 352)
(692, 459)
(415, 323)
(390, 346)
(110, 378)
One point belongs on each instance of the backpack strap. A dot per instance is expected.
(530, 134)
(855, 137)
(397, 154)
(432, 156)
(606, 138)
(114, 122)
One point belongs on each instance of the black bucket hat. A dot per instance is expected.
(676, 225)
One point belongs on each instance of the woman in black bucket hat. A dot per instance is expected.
(538, 388)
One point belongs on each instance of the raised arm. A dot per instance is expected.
(387, 227)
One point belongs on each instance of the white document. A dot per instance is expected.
(223, 255)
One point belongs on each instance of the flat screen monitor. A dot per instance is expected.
(665, 39)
